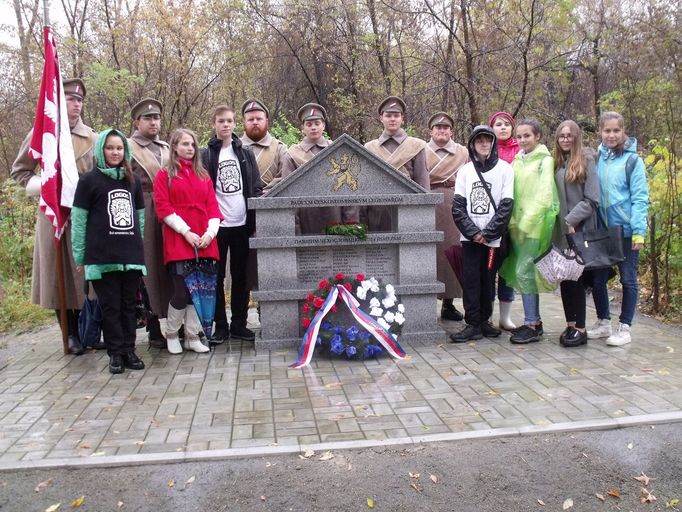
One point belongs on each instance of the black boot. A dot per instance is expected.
(450, 312)
(156, 337)
(74, 344)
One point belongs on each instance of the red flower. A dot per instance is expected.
(310, 297)
(340, 277)
(360, 277)
(306, 307)
(318, 302)
(348, 287)
(334, 308)
(323, 284)
(306, 322)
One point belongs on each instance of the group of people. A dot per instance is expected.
(144, 207)
(539, 199)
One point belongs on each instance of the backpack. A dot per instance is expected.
(90, 320)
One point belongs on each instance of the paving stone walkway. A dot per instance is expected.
(58, 410)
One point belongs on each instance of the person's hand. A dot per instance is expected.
(570, 229)
(79, 269)
(637, 246)
(192, 239)
(205, 241)
(479, 239)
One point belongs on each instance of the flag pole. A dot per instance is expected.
(61, 285)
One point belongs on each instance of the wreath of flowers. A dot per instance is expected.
(353, 229)
(339, 333)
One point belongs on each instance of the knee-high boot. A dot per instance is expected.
(192, 328)
(173, 323)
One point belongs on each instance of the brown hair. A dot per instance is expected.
(220, 109)
(574, 160)
(175, 166)
(534, 125)
(608, 116)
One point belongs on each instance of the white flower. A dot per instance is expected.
(390, 290)
(376, 312)
(401, 308)
(366, 284)
(361, 293)
(374, 303)
(399, 318)
(383, 323)
(375, 285)
(389, 317)
(388, 302)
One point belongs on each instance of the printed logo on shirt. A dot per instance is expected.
(120, 210)
(228, 177)
(479, 200)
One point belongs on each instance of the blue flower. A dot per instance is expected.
(351, 350)
(352, 333)
(337, 348)
(364, 335)
(372, 351)
(336, 339)
(326, 325)
(338, 330)
(318, 341)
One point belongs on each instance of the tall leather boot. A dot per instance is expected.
(173, 323)
(192, 328)
(75, 346)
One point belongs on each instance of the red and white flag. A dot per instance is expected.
(51, 142)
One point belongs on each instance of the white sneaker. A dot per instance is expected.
(620, 337)
(600, 329)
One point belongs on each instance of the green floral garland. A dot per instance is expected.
(357, 230)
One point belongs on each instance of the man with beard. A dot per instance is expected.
(444, 157)
(313, 119)
(44, 289)
(269, 151)
(149, 155)
(406, 154)
(235, 176)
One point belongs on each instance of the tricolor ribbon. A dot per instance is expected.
(385, 338)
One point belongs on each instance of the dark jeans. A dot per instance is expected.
(504, 293)
(628, 279)
(476, 286)
(116, 292)
(234, 240)
(573, 299)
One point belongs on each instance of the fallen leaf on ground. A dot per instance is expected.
(53, 508)
(139, 443)
(670, 349)
(663, 371)
(600, 497)
(370, 502)
(86, 446)
(541, 502)
(645, 496)
(97, 454)
(567, 504)
(574, 370)
(327, 456)
(434, 479)
(426, 428)
(648, 370)
(414, 475)
(171, 483)
(120, 504)
(263, 498)
(333, 385)
(630, 446)
(43, 484)
(614, 492)
(644, 479)
(672, 503)
(415, 487)
(190, 480)
(77, 502)
(492, 392)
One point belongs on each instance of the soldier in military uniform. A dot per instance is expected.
(444, 157)
(44, 289)
(404, 153)
(313, 118)
(149, 155)
(269, 151)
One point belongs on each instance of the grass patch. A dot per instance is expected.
(17, 314)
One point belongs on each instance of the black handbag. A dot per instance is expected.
(90, 320)
(598, 248)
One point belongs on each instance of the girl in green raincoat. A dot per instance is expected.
(536, 204)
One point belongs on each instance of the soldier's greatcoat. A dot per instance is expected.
(270, 154)
(149, 156)
(443, 164)
(44, 288)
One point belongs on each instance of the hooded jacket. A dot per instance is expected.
(471, 205)
(506, 149)
(624, 203)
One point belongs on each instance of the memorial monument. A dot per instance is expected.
(290, 266)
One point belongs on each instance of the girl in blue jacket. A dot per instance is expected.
(624, 202)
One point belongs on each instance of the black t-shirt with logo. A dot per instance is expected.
(113, 231)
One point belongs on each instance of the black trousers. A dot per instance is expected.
(116, 292)
(235, 241)
(478, 308)
(573, 299)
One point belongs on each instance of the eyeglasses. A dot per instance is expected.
(566, 137)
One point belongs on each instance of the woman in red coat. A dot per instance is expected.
(186, 203)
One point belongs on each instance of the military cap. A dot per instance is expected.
(146, 107)
(74, 87)
(392, 104)
(311, 111)
(253, 104)
(441, 118)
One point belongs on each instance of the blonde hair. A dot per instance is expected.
(574, 160)
(175, 165)
(609, 116)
